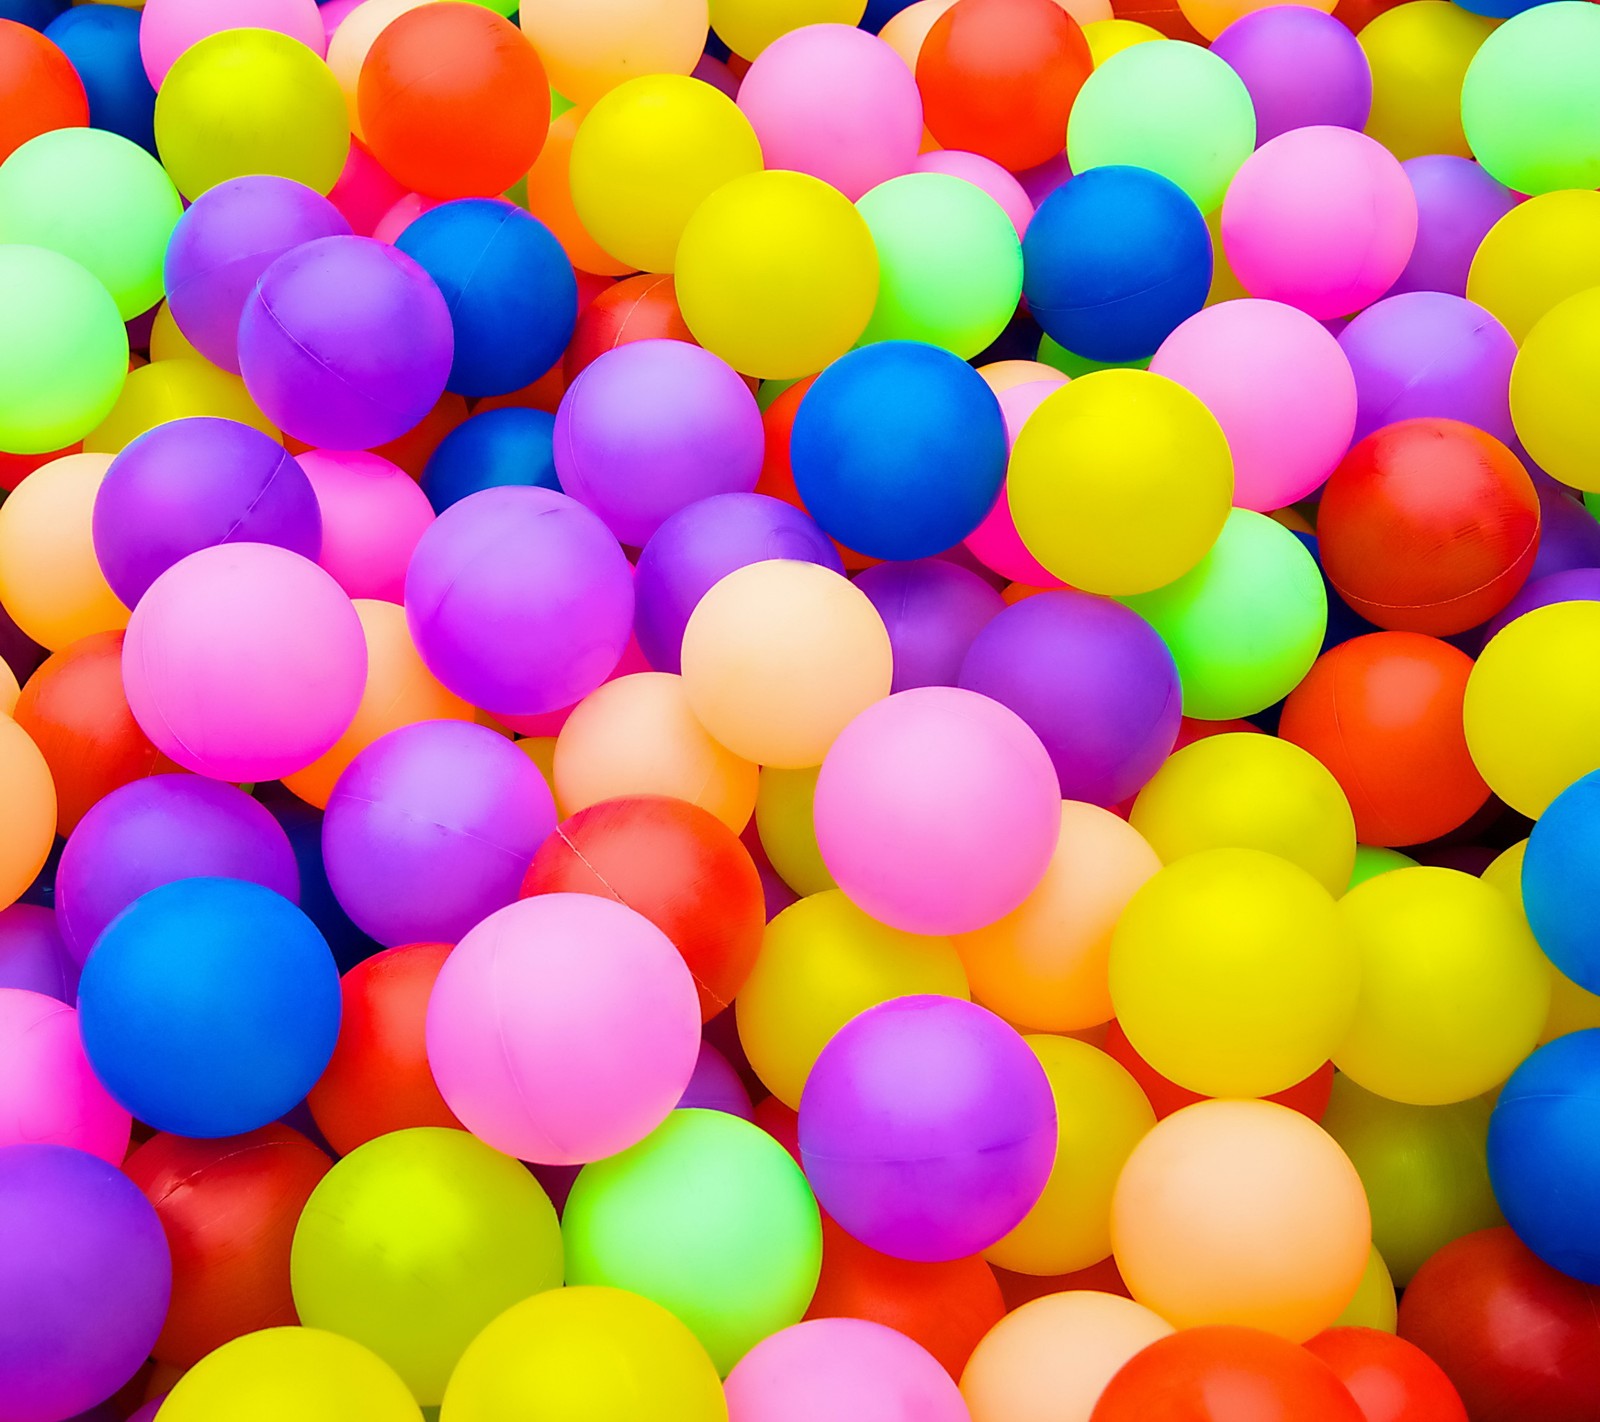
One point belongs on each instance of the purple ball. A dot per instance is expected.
(157, 830)
(1569, 537)
(698, 547)
(1457, 204)
(927, 1128)
(1429, 354)
(520, 600)
(225, 239)
(715, 1086)
(932, 609)
(1092, 679)
(652, 426)
(32, 955)
(430, 830)
(85, 1276)
(192, 484)
(1302, 68)
(345, 343)
(1574, 585)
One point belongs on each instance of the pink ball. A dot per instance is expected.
(244, 662)
(983, 173)
(168, 27)
(563, 1028)
(842, 1367)
(373, 513)
(49, 1094)
(1280, 387)
(365, 192)
(406, 210)
(835, 102)
(1321, 218)
(995, 542)
(937, 810)
(334, 13)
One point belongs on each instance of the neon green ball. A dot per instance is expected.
(949, 263)
(1245, 623)
(1373, 860)
(709, 1217)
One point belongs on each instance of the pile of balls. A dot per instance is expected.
(799, 711)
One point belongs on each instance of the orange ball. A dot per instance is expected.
(639, 308)
(550, 200)
(28, 826)
(39, 88)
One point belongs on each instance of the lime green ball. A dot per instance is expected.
(1373, 860)
(949, 263)
(416, 1241)
(1530, 104)
(1168, 106)
(1245, 623)
(63, 355)
(709, 1217)
(99, 199)
(1071, 363)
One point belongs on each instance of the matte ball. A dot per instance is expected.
(1390, 1379)
(1559, 871)
(932, 609)
(489, 450)
(41, 89)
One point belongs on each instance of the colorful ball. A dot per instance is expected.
(168, 27)
(373, 516)
(491, 449)
(1302, 68)
(1557, 357)
(588, 52)
(1559, 862)
(1388, 1376)
(40, 88)
(1419, 54)
(49, 1094)
(1536, 255)
(32, 955)
(747, 27)
(932, 610)
(28, 830)
(1458, 205)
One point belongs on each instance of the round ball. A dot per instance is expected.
(373, 516)
(1419, 56)
(1458, 205)
(168, 27)
(1535, 255)
(589, 52)
(49, 1094)
(489, 450)
(41, 89)
(1559, 862)
(29, 829)
(932, 609)
(1301, 66)
(1558, 356)
(1383, 1373)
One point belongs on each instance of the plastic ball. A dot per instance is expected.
(920, 1173)
(168, 27)
(1302, 68)
(40, 88)
(32, 955)
(785, 827)
(932, 609)
(373, 516)
(1557, 357)
(1458, 204)
(492, 449)
(1390, 1379)
(175, 389)
(50, 1095)
(1374, 1304)
(1537, 254)
(588, 52)
(985, 174)
(637, 308)
(1419, 55)
(1558, 863)
(29, 827)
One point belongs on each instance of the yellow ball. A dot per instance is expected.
(1108, 37)
(1120, 481)
(1250, 792)
(1552, 385)
(1536, 256)
(1419, 55)
(647, 155)
(788, 832)
(584, 1355)
(777, 274)
(250, 101)
(167, 342)
(748, 26)
(590, 46)
(1375, 1304)
(1454, 990)
(28, 827)
(279, 1373)
(174, 390)
(1102, 1113)
(1532, 708)
(1230, 974)
(822, 962)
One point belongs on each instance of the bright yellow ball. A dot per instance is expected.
(174, 390)
(748, 26)
(1108, 37)
(1536, 256)
(1552, 391)
(1419, 55)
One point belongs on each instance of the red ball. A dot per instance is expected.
(1390, 1379)
(638, 308)
(229, 1208)
(1383, 713)
(1428, 526)
(39, 88)
(676, 864)
(378, 1078)
(1520, 1341)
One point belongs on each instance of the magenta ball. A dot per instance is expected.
(652, 426)
(49, 1093)
(373, 516)
(1457, 204)
(931, 609)
(937, 810)
(192, 484)
(430, 830)
(927, 1128)
(715, 1086)
(520, 600)
(244, 662)
(1302, 68)
(32, 954)
(345, 343)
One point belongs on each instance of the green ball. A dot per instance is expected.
(949, 263)
(64, 355)
(1530, 104)
(1245, 623)
(1168, 106)
(709, 1217)
(416, 1241)
(99, 199)
(1373, 860)
(1070, 363)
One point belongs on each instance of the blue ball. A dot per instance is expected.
(102, 41)
(512, 295)
(1544, 1154)
(880, 12)
(1114, 260)
(899, 450)
(209, 1007)
(1561, 879)
(490, 451)
(35, 14)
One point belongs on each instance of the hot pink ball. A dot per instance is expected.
(49, 1094)
(835, 102)
(1320, 218)
(365, 192)
(168, 27)
(563, 1028)
(937, 810)
(995, 542)
(244, 662)
(1280, 387)
(373, 513)
(983, 173)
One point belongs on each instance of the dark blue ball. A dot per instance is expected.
(35, 14)
(489, 451)
(102, 41)
(1561, 881)
(1114, 260)
(880, 12)
(303, 824)
(899, 450)
(512, 295)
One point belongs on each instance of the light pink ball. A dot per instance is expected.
(244, 662)
(983, 173)
(1280, 387)
(49, 1094)
(373, 513)
(835, 102)
(842, 1367)
(995, 542)
(168, 27)
(1321, 218)
(563, 1028)
(937, 810)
